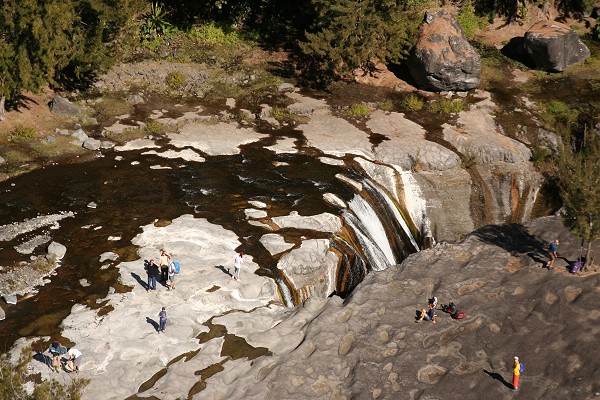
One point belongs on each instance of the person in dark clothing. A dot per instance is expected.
(153, 273)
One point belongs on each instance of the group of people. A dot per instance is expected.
(429, 314)
(165, 271)
(73, 357)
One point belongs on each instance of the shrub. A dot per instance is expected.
(386, 105)
(155, 23)
(175, 80)
(21, 133)
(557, 114)
(468, 21)
(358, 109)
(412, 102)
(211, 33)
(446, 106)
(596, 30)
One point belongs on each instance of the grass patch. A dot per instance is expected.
(446, 106)
(412, 102)
(358, 110)
(111, 107)
(557, 114)
(283, 114)
(211, 33)
(156, 128)
(175, 80)
(386, 105)
(21, 133)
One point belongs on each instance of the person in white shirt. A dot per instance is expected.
(237, 265)
(73, 360)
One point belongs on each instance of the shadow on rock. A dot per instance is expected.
(515, 239)
(225, 270)
(139, 280)
(152, 322)
(498, 377)
(43, 358)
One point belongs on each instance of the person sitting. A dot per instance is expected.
(428, 315)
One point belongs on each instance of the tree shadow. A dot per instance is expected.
(515, 239)
(225, 270)
(139, 280)
(153, 323)
(515, 50)
(498, 377)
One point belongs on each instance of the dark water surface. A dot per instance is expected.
(130, 196)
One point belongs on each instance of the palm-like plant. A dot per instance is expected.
(155, 22)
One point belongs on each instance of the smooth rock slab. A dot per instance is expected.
(57, 249)
(10, 299)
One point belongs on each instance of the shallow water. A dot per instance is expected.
(130, 196)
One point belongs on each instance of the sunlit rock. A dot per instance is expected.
(324, 222)
(275, 243)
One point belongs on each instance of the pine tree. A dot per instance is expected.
(578, 165)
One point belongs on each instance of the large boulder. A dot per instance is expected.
(442, 59)
(61, 106)
(553, 46)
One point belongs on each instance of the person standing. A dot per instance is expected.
(172, 273)
(162, 320)
(552, 249)
(237, 265)
(153, 273)
(516, 373)
(164, 262)
(73, 360)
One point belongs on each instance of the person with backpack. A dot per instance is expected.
(517, 369)
(552, 249)
(172, 273)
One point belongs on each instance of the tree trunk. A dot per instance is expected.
(588, 255)
(2, 110)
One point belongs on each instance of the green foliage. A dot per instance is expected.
(349, 34)
(358, 110)
(469, 21)
(446, 106)
(211, 33)
(386, 105)
(413, 102)
(175, 80)
(577, 166)
(156, 128)
(595, 31)
(283, 114)
(155, 23)
(13, 377)
(111, 107)
(558, 115)
(21, 133)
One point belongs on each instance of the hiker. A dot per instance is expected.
(164, 262)
(162, 318)
(73, 360)
(552, 249)
(516, 373)
(153, 273)
(433, 301)
(57, 350)
(237, 264)
(172, 273)
(428, 315)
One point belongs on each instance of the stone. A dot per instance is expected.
(2, 314)
(92, 144)
(57, 250)
(105, 144)
(553, 46)
(442, 58)
(2, 160)
(275, 243)
(10, 298)
(109, 255)
(80, 135)
(284, 87)
(135, 99)
(61, 106)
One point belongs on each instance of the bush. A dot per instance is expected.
(155, 127)
(21, 133)
(175, 80)
(211, 33)
(412, 102)
(386, 105)
(468, 21)
(358, 109)
(446, 106)
(596, 30)
(557, 114)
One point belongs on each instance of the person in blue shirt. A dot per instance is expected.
(552, 249)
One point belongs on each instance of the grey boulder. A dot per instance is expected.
(553, 46)
(61, 106)
(442, 58)
(57, 250)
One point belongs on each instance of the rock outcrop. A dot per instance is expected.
(442, 58)
(61, 106)
(553, 46)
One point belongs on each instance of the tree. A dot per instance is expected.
(56, 41)
(351, 34)
(577, 167)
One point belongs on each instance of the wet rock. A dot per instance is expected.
(105, 144)
(10, 299)
(255, 214)
(109, 255)
(61, 106)
(92, 205)
(323, 222)
(57, 249)
(553, 46)
(442, 58)
(2, 314)
(92, 144)
(334, 200)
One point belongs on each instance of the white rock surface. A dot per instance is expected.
(275, 243)
(324, 222)
(214, 139)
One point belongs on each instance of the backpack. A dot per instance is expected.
(521, 369)
(176, 266)
(450, 308)
(459, 314)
